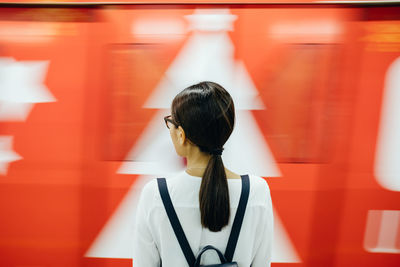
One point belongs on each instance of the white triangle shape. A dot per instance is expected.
(206, 56)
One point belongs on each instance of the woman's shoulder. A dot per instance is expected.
(257, 181)
(148, 190)
(259, 190)
(150, 187)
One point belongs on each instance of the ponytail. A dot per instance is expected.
(214, 195)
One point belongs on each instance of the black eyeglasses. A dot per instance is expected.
(169, 119)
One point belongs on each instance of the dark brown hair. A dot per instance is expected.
(207, 114)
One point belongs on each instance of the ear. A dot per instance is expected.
(181, 135)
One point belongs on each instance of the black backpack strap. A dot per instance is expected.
(237, 222)
(173, 218)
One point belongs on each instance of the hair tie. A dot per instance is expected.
(217, 151)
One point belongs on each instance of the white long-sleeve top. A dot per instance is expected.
(154, 238)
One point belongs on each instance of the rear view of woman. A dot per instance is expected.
(206, 195)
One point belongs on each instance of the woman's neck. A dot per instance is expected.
(196, 163)
(197, 160)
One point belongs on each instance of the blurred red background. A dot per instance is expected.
(320, 69)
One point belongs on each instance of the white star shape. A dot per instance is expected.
(7, 154)
(21, 86)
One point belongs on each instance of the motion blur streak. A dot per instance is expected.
(84, 89)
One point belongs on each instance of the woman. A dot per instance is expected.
(205, 195)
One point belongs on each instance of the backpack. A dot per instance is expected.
(226, 259)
